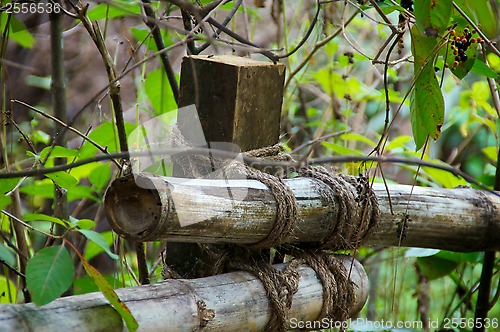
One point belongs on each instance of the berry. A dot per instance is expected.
(463, 57)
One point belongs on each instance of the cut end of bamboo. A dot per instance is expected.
(133, 208)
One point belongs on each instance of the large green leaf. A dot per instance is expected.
(106, 136)
(427, 103)
(49, 274)
(159, 92)
(481, 12)
(433, 16)
(111, 295)
(435, 267)
(100, 176)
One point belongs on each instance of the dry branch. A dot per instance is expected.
(234, 301)
(244, 211)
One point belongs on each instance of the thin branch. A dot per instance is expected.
(308, 33)
(160, 45)
(18, 220)
(316, 48)
(316, 140)
(114, 84)
(58, 93)
(59, 122)
(225, 22)
(455, 170)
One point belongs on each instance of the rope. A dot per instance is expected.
(357, 214)
(281, 285)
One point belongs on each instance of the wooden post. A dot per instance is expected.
(235, 301)
(238, 101)
(461, 219)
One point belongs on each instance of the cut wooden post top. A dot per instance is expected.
(238, 61)
(238, 99)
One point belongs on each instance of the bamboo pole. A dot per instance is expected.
(243, 211)
(234, 301)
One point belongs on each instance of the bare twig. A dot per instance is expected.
(114, 84)
(316, 48)
(61, 123)
(455, 170)
(58, 92)
(160, 45)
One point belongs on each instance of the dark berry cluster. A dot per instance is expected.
(462, 43)
(407, 5)
(362, 188)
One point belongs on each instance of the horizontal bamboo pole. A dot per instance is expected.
(234, 301)
(244, 211)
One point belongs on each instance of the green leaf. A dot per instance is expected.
(460, 257)
(100, 176)
(435, 267)
(427, 103)
(58, 152)
(159, 92)
(481, 12)
(4, 201)
(99, 240)
(19, 34)
(93, 249)
(106, 136)
(111, 296)
(144, 36)
(49, 274)
(86, 284)
(63, 179)
(432, 16)
(359, 138)
(42, 188)
(8, 184)
(341, 150)
(30, 217)
(8, 255)
(85, 223)
(80, 192)
(444, 178)
(481, 68)
(491, 152)
(8, 291)
(117, 8)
